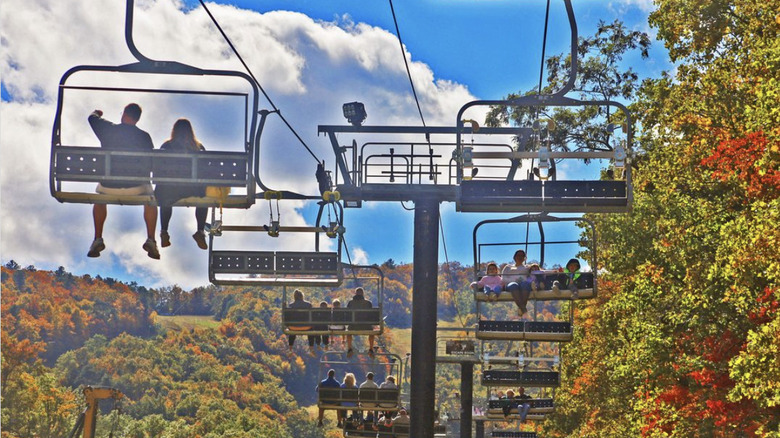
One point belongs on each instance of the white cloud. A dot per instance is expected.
(309, 68)
(359, 256)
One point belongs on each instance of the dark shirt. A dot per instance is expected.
(123, 137)
(330, 382)
(299, 304)
(168, 193)
(359, 302)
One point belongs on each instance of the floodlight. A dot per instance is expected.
(355, 113)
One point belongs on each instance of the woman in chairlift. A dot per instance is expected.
(182, 141)
(514, 277)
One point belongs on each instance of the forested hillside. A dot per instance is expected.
(61, 332)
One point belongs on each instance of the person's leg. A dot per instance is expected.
(200, 235)
(311, 339)
(325, 340)
(524, 408)
(320, 416)
(150, 217)
(200, 217)
(371, 342)
(291, 340)
(99, 214)
(166, 212)
(519, 296)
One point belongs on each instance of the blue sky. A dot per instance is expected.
(326, 53)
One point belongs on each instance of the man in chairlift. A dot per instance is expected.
(125, 136)
(359, 301)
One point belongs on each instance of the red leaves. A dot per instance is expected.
(768, 307)
(750, 161)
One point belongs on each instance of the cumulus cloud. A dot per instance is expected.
(359, 256)
(308, 67)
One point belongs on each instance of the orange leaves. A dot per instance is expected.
(751, 160)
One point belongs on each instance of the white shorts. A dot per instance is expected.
(143, 189)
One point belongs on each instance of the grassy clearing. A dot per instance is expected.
(189, 322)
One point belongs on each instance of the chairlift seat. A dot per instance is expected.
(546, 294)
(586, 193)
(525, 330)
(396, 431)
(327, 318)
(94, 164)
(276, 268)
(550, 196)
(365, 399)
(533, 379)
(538, 406)
(512, 434)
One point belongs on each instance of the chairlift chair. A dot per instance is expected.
(71, 166)
(520, 370)
(279, 268)
(532, 330)
(500, 433)
(364, 399)
(545, 193)
(341, 321)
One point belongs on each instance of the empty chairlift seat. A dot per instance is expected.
(525, 330)
(533, 379)
(275, 267)
(512, 434)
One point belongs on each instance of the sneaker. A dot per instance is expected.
(350, 353)
(200, 239)
(96, 247)
(165, 239)
(150, 246)
(556, 287)
(521, 311)
(371, 352)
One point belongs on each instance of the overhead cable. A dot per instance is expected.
(267, 97)
(406, 63)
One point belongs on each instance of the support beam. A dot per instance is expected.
(424, 316)
(466, 398)
(480, 428)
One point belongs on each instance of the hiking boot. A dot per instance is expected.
(150, 246)
(200, 239)
(96, 247)
(165, 239)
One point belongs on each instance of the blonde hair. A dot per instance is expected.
(349, 380)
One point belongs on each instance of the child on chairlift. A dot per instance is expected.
(491, 283)
(570, 278)
(535, 277)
